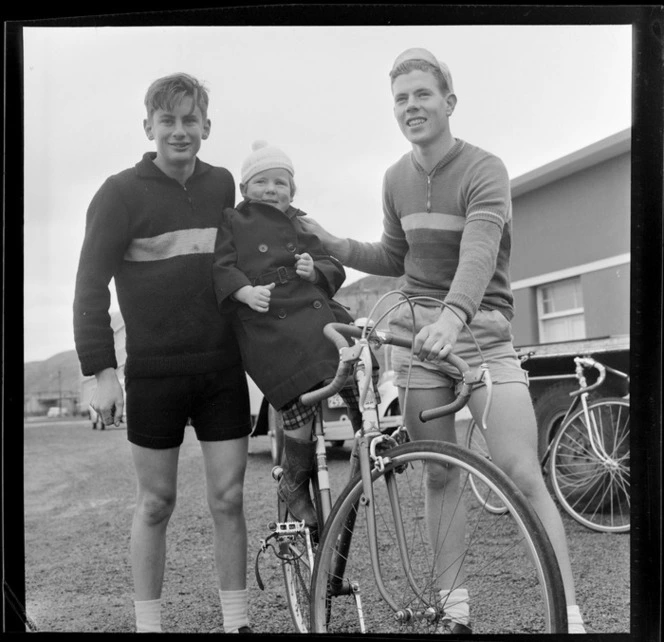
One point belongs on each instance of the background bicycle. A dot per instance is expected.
(375, 567)
(587, 460)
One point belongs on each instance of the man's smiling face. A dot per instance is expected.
(420, 108)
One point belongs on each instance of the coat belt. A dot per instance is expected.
(279, 276)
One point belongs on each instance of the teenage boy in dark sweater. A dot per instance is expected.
(153, 228)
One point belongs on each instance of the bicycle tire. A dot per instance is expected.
(275, 430)
(595, 492)
(501, 576)
(475, 441)
(296, 569)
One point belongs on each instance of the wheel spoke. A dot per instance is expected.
(502, 560)
(595, 490)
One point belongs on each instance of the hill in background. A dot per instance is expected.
(42, 376)
(362, 295)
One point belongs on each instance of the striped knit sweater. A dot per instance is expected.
(448, 231)
(156, 239)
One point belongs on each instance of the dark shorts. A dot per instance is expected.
(216, 403)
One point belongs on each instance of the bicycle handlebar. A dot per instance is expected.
(588, 362)
(336, 332)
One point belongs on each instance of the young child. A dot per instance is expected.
(152, 228)
(280, 283)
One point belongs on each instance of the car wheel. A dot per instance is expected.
(393, 409)
(275, 430)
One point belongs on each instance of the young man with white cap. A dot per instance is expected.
(447, 226)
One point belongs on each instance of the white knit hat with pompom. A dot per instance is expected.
(262, 157)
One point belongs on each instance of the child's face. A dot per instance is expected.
(177, 132)
(272, 186)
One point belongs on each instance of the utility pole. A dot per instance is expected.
(59, 392)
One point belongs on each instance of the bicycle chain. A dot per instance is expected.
(304, 584)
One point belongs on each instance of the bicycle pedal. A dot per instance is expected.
(287, 528)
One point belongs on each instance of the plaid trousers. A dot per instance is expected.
(296, 414)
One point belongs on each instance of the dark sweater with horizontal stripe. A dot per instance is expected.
(156, 238)
(449, 231)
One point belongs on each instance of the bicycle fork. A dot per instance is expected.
(366, 457)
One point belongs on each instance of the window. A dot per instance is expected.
(560, 311)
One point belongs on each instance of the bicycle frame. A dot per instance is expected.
(326, 561)
(367, 439)
(581, 396)
(364, 449)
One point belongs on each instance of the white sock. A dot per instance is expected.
(456, 605)
(148, 616)
(234, 609)
(574, 619)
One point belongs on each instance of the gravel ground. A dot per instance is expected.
(79, 498)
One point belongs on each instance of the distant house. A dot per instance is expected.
(571, 245)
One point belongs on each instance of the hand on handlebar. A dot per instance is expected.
(336, 333)
(434, 342)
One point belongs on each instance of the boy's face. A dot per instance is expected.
(272, 186)
(177, 132)
(420, 108)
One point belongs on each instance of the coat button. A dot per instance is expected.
(282, 313)
(317, 304)
(291, 247)
(262, 247)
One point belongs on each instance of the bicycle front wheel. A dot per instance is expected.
(591, 483)
(505, 561)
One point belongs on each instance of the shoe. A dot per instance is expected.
(298, 464)
(245, 629)
(450, 627)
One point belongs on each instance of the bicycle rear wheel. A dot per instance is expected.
(506, 561)
(475, 441)
(297, 548)
(594, 489)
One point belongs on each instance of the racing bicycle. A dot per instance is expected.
(587, 459)
(373, 565)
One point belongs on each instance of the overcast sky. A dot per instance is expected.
(529, 94)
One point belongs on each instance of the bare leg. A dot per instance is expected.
(511, 436)
(445, 510)
(225, 466)
(156, 471)
(301, 432)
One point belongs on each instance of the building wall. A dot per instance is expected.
(524, 323)
(606, 301)
(576, 220)
(576, 226)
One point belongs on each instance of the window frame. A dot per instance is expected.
(543, 317)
